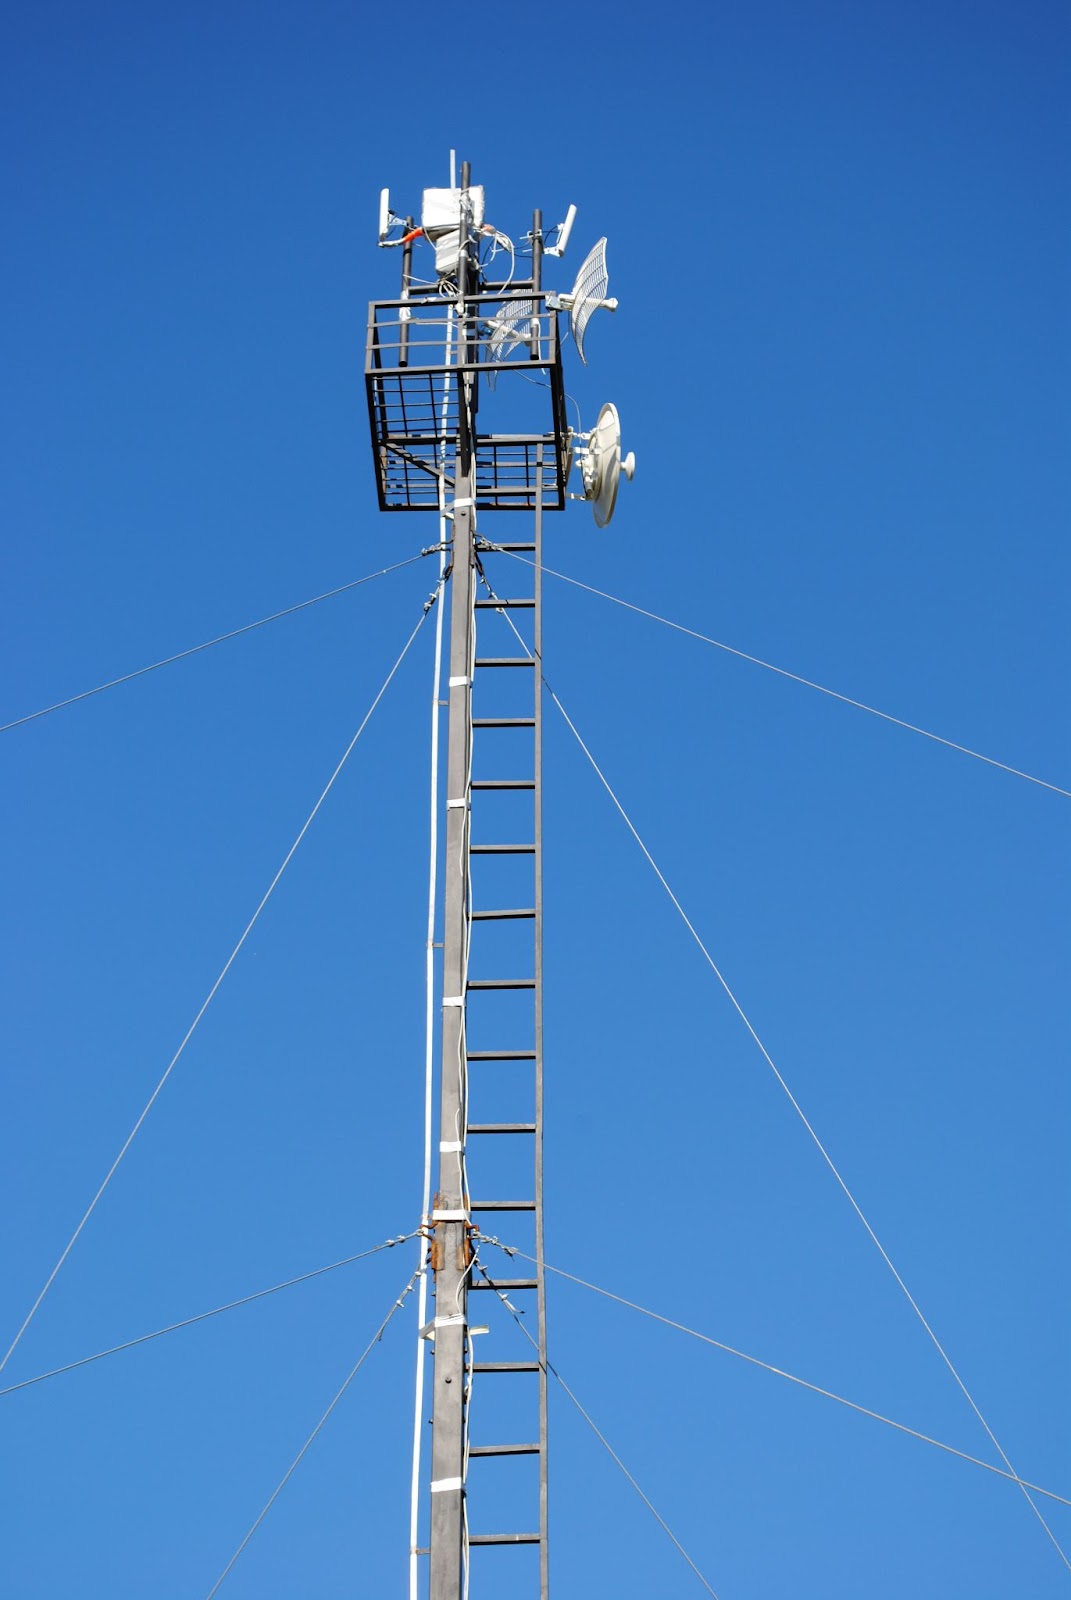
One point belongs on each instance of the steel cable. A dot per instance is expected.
(795, 677)
(827, 1158)
(292, 1468)
(223, 973)
(779, 1372)
(823, 1152)
(204, 1316)
(548, 1366)
(235, 633)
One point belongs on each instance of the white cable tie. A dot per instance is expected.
(460, 505)
(449, 1216)
(460, 683)
(456, 805)
(456, 1319)
(450, 1147)
(454, 1000)
(445, 1485)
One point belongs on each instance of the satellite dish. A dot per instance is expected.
(601, 465)
(588, 295)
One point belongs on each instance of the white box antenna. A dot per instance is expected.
(564, 230)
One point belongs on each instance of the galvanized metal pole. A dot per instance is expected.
(407, 280)
(452, 1247)
(451, 1252)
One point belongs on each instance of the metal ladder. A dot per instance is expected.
(507, 1411)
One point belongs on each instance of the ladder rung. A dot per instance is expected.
(504, 605)
(501, 1127)
(503, 1449)
(501, 1055)
(503, 783)
(526, 914)
(504, 1538)
(505, 1366)
(505, 661)
(501, 849)
(503, 722)
(508, 1286)
(502, 1205)
(501, 983)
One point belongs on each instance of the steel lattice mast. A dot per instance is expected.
(432, 357)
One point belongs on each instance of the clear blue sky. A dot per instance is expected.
(839, 235)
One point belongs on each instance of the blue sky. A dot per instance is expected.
(839, 236)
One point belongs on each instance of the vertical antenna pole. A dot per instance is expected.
(452, 1251)
(537, 251)
(467, 274)
(407, 279)
(537, 278)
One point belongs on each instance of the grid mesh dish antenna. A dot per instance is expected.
(589, 292)
(510, 327)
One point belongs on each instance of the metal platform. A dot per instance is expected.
(416, 350)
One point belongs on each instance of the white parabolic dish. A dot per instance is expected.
(604, 465)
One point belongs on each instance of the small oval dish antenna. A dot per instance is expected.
(601, 465)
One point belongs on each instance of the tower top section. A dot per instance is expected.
(467, 362)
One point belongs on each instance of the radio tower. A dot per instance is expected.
(473, 331)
